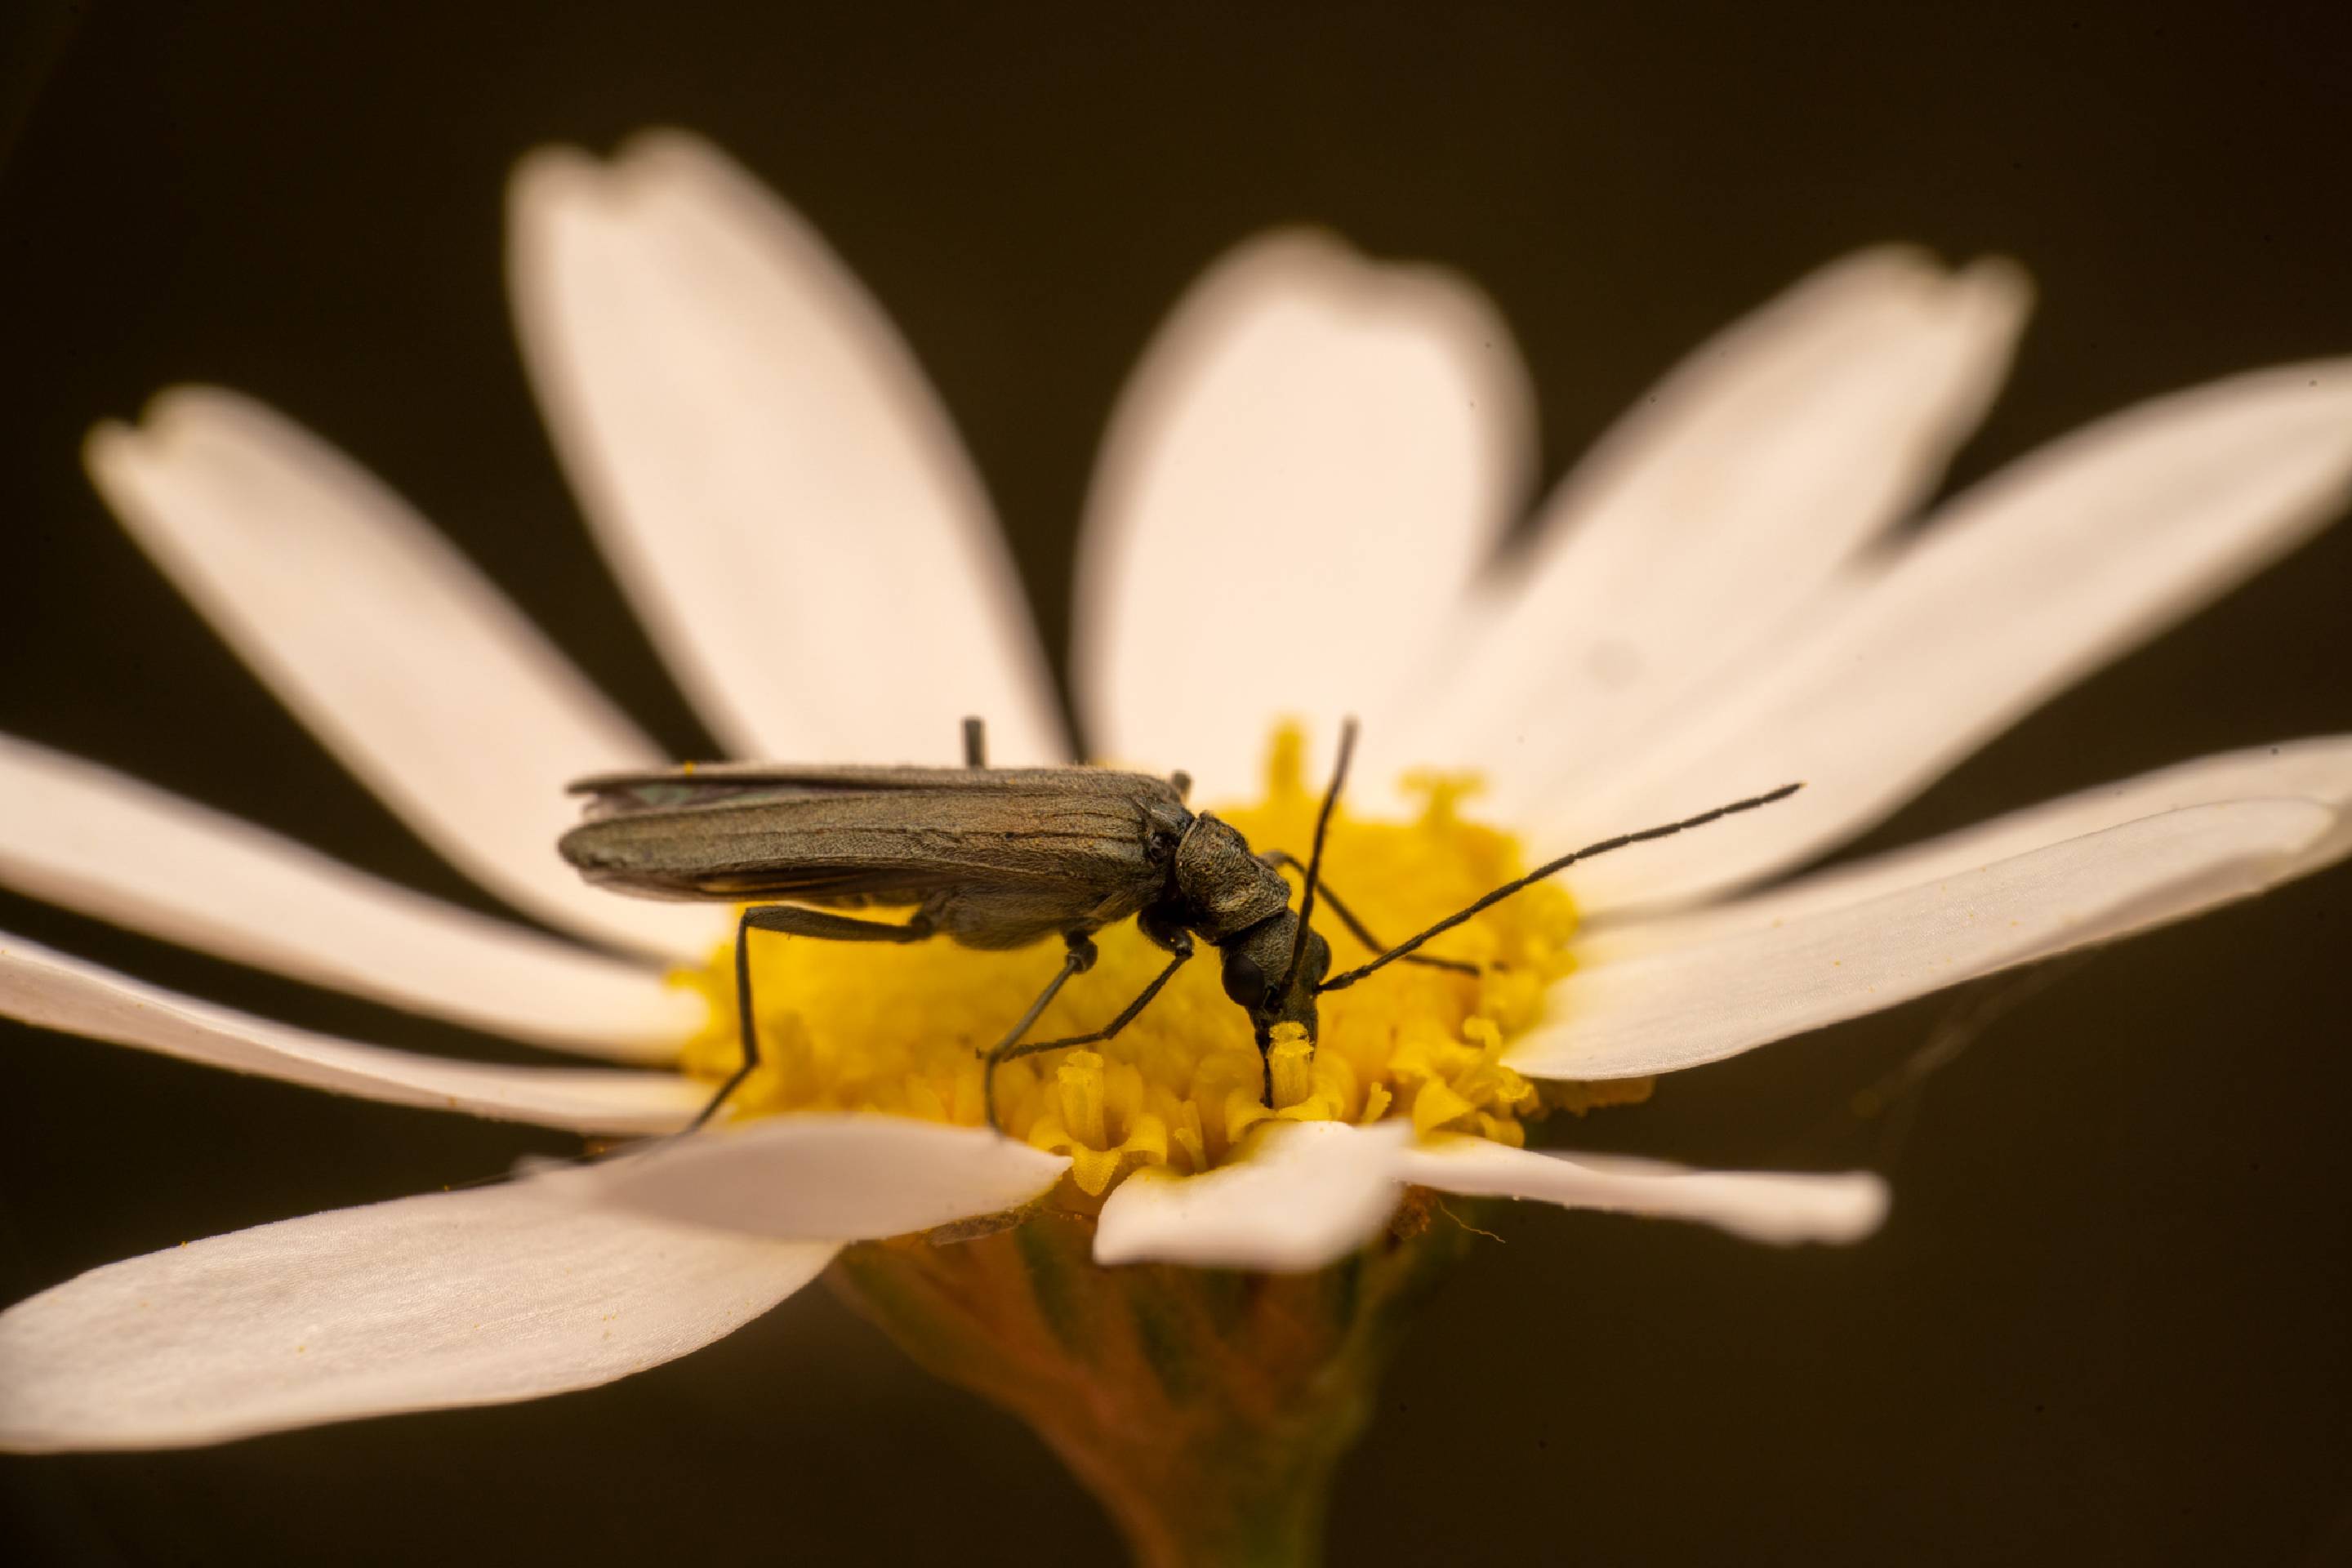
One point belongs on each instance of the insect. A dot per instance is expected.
(998, 859)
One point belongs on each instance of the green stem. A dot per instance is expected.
(1228, 1503)
(1206, 1410)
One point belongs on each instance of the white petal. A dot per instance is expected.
(1659, 1012)
(1782, 1207)
(401, 657)
(2319, 769)
(1721, 509)
(2037, 577)
(766, 467)
(55, 991)
(95, 841)
(841, 1178)
(425, 1303)
(1313, 458)
(1306, 1195)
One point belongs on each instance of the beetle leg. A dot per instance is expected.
(1182, 949)
(1284, 859)
(1077, 960)
(792, 920)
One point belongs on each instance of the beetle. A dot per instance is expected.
(998, 859)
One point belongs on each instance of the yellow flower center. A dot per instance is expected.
(900, 1031)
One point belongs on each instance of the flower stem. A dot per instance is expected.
(1206, 1410)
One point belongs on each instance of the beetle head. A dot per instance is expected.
(1254, 966)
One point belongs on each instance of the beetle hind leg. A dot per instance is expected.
(791, 919)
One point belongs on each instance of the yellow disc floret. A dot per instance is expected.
(900, 1031)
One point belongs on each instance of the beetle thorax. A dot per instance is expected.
(1226, 888)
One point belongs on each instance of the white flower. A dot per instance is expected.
(1297, 512)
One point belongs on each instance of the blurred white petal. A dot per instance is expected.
(107, 845)
(780, 492)
(1659, 1012)
(817, 1177)
(55, 991)
(1710, 525)
(2040, 575)
(449, 1299)
(1305, 1195)
(2319, 769)
(401, 657)
(1781, 1207)
(1315, 456)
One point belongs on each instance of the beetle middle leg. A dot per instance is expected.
(1182, 948)
(1174, 938)
(1077, 960)
(792, 920)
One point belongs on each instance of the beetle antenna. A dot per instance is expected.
(1315, 856)
(1549, 868)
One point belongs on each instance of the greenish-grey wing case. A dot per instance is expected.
(707, 783)
(877, 835)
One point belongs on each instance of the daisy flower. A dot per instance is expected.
(1298, 513)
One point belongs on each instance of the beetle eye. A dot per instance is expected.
(1244, 981)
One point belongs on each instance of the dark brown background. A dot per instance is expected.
(2109, 1318)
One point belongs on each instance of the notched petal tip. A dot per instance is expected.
(109, 443)
(118, 453)
(392, 647)
(670, 152)
(642, 163)
(1729, 506)
(557, 176)
(719, 384)
(1361, 424)
(1313, 270)
(1998, 287)
(180, 422)
(189, 406)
